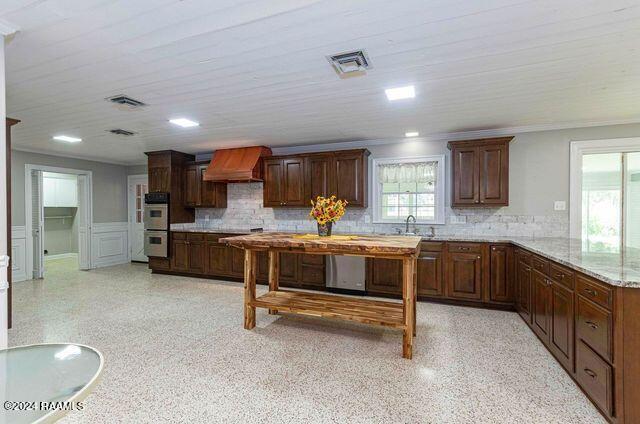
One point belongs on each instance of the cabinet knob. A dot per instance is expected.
(590, 373)
(479, 257)
(477, 201)
(591, 292)
(592, 324)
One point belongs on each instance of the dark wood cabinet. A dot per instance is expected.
(180, 255)
(351, 177)
(218, 261)
(501, 270)
(291, 181)
(430, 281)
(480, 172)
(202, 194)
(541, 305)
(561, 339)
(385, 277)
(288, 270)
(464, 276)
(197, 257)
(166, 171)
(284, 181)
(237, 261)
(523, 285)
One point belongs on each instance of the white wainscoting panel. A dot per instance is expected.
(109, 244)
(18, 253)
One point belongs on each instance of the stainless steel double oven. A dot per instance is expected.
(156, 225)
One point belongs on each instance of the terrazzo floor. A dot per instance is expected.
(175, 351)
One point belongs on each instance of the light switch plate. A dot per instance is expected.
(560, 205)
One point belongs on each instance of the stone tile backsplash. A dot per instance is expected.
(245, 210)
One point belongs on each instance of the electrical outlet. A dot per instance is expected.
(560, 205)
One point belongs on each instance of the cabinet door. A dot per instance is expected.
(311, 271)
(430, 274)
(293, 170)
(263, 267)
(49, 192)
(197, 257)
(350, 178)
(494, 174)
(318, 181)
(180, 256)
(66, 192)
(385, 277)
(273, 183)
(218, 261)
(523, 292)
(159, 179)
(464, 276)
(192, 186)
(562, 325)
(466, 176)
(288, 271)
(500, 274)
(541, 301)
(237, 261)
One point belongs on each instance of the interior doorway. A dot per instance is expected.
(138, 187)
(58, 216)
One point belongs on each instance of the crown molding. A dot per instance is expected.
(7, 28)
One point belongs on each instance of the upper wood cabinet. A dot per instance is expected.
(202, 194)
(284, 180)
(292, 181)
(480, 172)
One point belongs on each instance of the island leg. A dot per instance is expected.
(250, 265)
(415, 294)
(274, 269)
(407, 303)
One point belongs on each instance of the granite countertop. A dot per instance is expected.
(618, 269)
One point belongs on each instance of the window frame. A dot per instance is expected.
(439, 192)
(577, 151)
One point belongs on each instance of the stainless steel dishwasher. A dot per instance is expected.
(346, 272)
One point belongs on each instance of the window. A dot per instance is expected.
(404, 187)
(605, 194)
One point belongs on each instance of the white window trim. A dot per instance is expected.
(579, 149)
(440, 191)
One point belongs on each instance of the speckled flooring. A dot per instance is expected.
(175, 351)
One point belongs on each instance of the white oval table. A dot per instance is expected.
(40, 383)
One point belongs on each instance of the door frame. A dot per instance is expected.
(28, 168)
(578, 149)
(130, 214)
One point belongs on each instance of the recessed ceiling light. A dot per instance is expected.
(184, 123)
(400, 93)
(67, 139)
(412, 134)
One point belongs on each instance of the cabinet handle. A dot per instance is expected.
(463, 248)
(590, 373)
(482, 201)
(477, 201)
(559, 276)
(590, 291)
(592, 324)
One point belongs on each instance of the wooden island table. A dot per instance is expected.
(375, 312)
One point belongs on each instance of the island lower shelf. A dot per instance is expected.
(375, 312)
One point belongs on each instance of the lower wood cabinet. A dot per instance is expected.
(561, 334)
(523, 285)
(430, 281)
(541, 310)
(218, 262)
(384, 277)
(464, 276)
(501, 270)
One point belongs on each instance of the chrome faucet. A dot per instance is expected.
(406, 228)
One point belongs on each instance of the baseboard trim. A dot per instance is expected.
(60, 256)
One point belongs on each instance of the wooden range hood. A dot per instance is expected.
(243, 164)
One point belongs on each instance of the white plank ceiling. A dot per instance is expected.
(254, 72)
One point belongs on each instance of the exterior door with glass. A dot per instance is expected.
(138, 187)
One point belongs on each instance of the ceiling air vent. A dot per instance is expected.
(128, 102)
(120, 131)
(350, 63)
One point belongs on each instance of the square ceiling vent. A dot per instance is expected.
(350, 63)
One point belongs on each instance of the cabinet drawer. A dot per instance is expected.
(431, 246)
(595, 377)
(312, 259)
(540, 265)
(594, 327)
(525, 257)
(195, 236)
(465, 247)
(179, 236)
(562, 275)
(595, 291)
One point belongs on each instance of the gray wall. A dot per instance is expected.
(109, 185)
(539, 164)
(136, 169)
(60, 235)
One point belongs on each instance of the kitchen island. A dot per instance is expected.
(374, 312)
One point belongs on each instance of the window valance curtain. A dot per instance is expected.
(408, 172)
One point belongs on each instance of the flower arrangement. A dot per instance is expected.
(326, 211)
